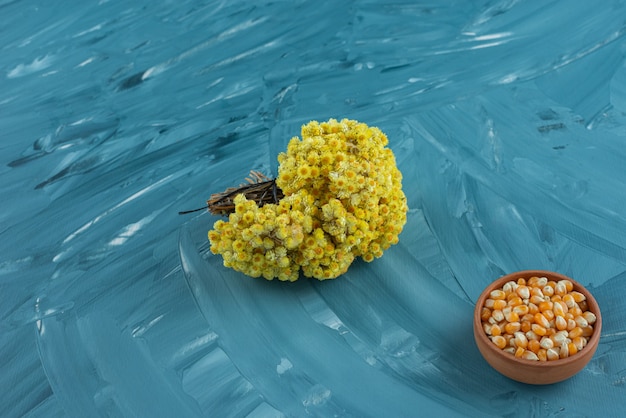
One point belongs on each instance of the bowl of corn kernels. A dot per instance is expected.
(536, 326)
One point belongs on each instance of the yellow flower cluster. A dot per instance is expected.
(343, 199)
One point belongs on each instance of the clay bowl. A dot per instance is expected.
(532, 371)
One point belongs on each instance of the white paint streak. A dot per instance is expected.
(38, 64)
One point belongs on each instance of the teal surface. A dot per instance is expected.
(508, 121)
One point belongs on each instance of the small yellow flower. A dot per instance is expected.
(304, 172)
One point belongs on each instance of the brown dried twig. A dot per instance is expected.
(259, 188)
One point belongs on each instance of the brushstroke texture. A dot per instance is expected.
(507, 120)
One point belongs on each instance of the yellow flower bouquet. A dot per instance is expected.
(338, 195)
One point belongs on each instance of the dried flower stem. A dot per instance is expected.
(259, 188)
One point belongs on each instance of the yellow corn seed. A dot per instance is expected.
(560, 290)
(590, 317)
(560, 323)
(526, 326)
(515, 300)
(569, 286)
(579, 342)
(549, 314)
(489, 303)
(572, 349)
(521, 281)
(499, 304)
(512, 327)
(521, 340)
(569, 300)
(571, 324)
(560, 308)
(497, 315)
(523, 292)
(510, 341)
(548, 291)
(534, 346)
(497, 294)
(546, 342)
(564, 351)
(485, 314)
(519, 352)
(545, 305)
(530, 336)
(496, 331)
(535, 291)
(559, 337)
(581, 321)
(539, 330)
(521, 309)
(536, 300)
(509, 287)
(542, 354)
(576, 311)
(588, 331)
(529, 355)
(541, 320)
(509, 350)
(499, 341)
(511, 317)
(575, 332)
(552, 354)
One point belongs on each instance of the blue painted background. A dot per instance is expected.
(508, 120)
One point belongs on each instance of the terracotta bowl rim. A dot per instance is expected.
(551, 275)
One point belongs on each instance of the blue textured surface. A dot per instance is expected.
(508, 122)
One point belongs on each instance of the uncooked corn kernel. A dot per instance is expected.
(552, 354)
(534, 346)
(546, 342)
(590, 317)
(521, 309)
(523, 291)
(538, 319)
(512, 327)
(499, 304)
(529, 355)
(498, 295)
(499, 341)
(542, 354)
(548, 290)
(564, 351)
(509, 287)
(560, 323)
(520, 339)
(560, 337)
